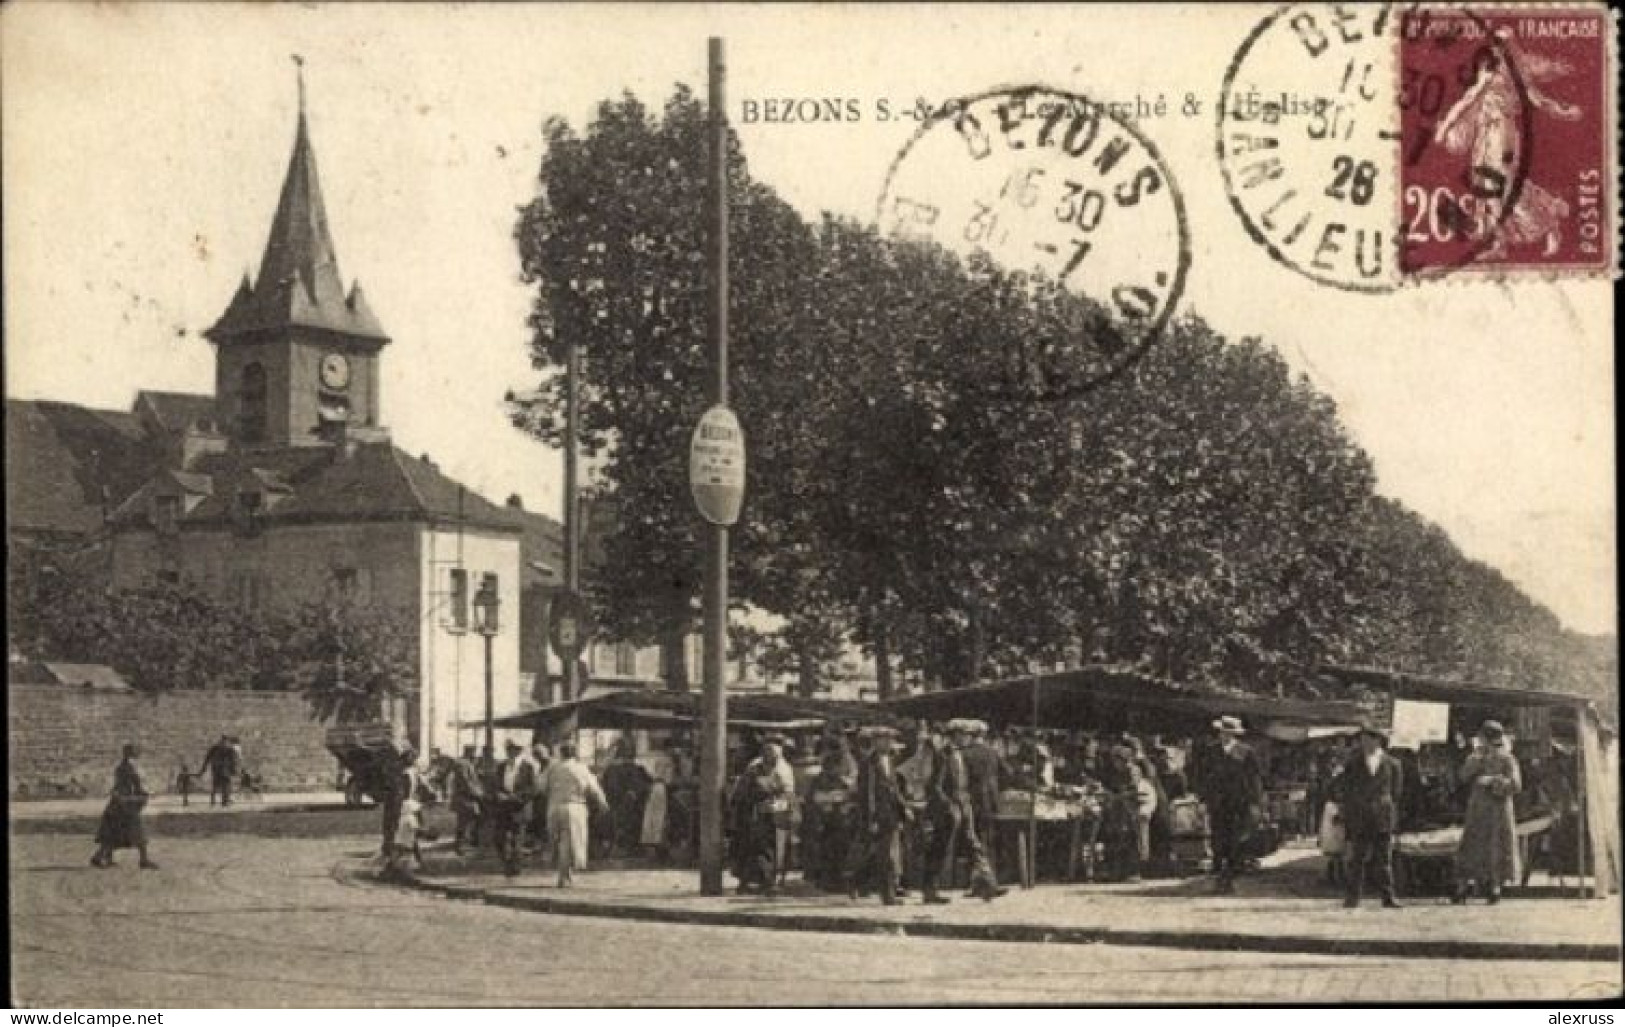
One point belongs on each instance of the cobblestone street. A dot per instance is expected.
(246, 919)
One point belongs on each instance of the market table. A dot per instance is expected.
(1441, 843)
(1018, 809)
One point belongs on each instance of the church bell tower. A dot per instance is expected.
(296, 356)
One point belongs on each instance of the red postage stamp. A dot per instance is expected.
(1508, 140)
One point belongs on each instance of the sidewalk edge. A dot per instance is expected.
(1015, 932)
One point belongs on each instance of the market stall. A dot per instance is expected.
(1567, 823)
(1084, 819)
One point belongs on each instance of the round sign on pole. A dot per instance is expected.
(716, 466)
(569, 625)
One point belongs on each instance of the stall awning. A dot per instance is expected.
(1115, 698)
(1435, 689)
(637, 708)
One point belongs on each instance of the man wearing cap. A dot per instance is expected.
(518, 781)
(985, 772)
(880, 813)
(1367, 794)
(466, 793)
(826, 823)
(953, 824)
(1232, 788)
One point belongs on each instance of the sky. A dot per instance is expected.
(145, 144)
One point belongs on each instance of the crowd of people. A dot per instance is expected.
(540, 801)
(867, 812)
(876, 806)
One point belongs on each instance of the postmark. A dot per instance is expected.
(1532, 114)
(1050, 183)
(1310, 140)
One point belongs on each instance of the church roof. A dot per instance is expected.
(178, 411)
(318, 484)
(299, 282)
(65, 463)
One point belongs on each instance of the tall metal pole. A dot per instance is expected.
(572, 499)
(714, 699)
(490, 726)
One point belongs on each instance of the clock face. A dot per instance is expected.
(335, 371)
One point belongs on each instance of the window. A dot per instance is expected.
(346, 581)
(459, 599)
(169, 576)
(251, 404)
(166, 514)
(626, 660)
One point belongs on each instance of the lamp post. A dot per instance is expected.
(486, 608)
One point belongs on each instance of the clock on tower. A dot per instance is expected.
(335, 371)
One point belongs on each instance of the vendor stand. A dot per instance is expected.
(1104, 699)
(1553, 719)
(643, 713)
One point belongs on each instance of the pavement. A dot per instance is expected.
(263, 909)
(1285, 907)
(166, 805)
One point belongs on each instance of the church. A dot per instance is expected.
(283, 487)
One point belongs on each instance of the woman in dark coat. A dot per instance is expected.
(121, 826)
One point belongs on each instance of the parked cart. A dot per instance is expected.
(368, 752)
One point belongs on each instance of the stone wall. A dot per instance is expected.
(66, 741)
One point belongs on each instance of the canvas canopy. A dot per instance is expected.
(637, 708)
(1119, 699)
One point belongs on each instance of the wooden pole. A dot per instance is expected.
(714, 697)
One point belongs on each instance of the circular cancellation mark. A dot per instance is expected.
(1050, 183)
(1329, 110)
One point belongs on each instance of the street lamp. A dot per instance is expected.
(486, 607)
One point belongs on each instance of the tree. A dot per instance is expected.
(350, 658)
(615, 248)
(347, 657)
(1204, 516)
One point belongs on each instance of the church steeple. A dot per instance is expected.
(299, 282)
(296, 356)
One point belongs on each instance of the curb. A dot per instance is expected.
(25, 816)
(1016, 932)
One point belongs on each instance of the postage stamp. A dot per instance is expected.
(1531, 109)
(1368, 147)
(1055, 184)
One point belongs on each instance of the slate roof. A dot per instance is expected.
(61, 457)
(299, 282)
(178, 411)
(372, 482)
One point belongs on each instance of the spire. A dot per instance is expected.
(299, 281)
(300, 247)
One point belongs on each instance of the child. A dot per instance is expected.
(183, 784)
